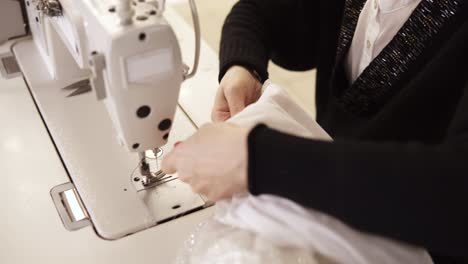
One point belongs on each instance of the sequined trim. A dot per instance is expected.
(353, 9)
(377, 84)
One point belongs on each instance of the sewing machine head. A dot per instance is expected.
(127, 55)
(128, 52)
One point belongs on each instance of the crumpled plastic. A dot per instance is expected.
(214, 242)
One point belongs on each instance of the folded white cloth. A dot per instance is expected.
(266, 228)
(279, 111)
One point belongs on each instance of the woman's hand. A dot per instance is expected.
(213, 161)
(237, 90)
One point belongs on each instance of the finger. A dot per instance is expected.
(184, 177)
(169, 163)
(236, 104)
(218, 116)
(199, 188)
(211, 195)
(221, 107)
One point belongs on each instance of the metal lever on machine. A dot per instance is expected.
(98, 63)
(196, 26)
(69, 206)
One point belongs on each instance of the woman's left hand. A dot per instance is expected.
(213, 161)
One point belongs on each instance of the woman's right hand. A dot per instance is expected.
(238, 89)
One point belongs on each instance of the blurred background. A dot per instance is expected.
(301, 85)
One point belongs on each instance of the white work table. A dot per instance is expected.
(30, 227)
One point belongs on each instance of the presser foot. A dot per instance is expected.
(144, 178)
(154, 178)
(144, 182)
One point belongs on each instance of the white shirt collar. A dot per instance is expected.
(393, 5)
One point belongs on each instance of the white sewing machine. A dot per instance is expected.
(105, 77)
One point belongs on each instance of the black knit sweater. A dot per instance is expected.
(399, 163)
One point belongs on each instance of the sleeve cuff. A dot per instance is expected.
(251, 157)
(299, 169)
(239, 52)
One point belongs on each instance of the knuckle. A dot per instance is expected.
(232, 89)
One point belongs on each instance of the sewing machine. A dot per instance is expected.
(102, 99)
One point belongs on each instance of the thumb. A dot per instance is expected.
(169, 163)
(220, 111)
(236, 104)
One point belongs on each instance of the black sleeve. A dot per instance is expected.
(256, 31)
(411, 192)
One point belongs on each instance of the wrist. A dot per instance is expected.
(255, 74)
(251, 70)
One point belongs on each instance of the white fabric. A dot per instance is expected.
(289, 225)
(276, 109)
(215, 243)
(379, 22)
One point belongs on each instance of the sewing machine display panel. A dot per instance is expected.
(149, 67)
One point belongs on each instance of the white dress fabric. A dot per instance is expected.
(270, 229)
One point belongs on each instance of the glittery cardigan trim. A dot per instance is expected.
(377, 84)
